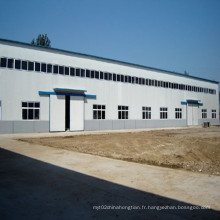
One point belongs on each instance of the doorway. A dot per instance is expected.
(67, 112)
(192, 112)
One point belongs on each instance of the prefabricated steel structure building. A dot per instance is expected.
(47, 89)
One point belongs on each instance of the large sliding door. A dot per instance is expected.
(192, 114)
(76, 113)
(57, 113)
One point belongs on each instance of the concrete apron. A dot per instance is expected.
(188, 187)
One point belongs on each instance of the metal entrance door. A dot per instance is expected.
(192, 114)
(76, 113)
(57, 113)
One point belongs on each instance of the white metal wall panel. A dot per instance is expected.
(76, 113)
(108, 93)
(57, 113)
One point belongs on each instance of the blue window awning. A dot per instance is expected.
(192, 101)
(69, 92)
(66, 90)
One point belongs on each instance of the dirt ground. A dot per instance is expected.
(193, 149)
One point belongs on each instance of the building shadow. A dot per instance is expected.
(32, 189)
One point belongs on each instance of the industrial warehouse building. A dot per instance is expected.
(47, 89)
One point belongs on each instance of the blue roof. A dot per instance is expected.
(112, 60)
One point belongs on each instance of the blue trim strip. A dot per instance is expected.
(64, 93)
(183, 103)
(112, 60)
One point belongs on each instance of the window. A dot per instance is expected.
(18, 64)
(55, 69)
(146, 112)
(24, 65)
(82, 73)
(126, 78)
(133, 79)
(178, 113)
(114, 77)
(122, 112)
(147, 82)
(163, 113)
(152, 82)
(11, 63)
(110, 76)
(37, 66)
(101, 75)
(3, 62)
(30, 66)
(204, 113)
(88, 73)
(213, 113)
(122, 78)
(30, 110)
(98, 111)
(96, 74)
(139, 81)
(49, 68)
(106, 76)
(92, 74)
(72, 71)
(61, 70)
(77, 72)
(118, 78)
(43, 67)
(67, 70)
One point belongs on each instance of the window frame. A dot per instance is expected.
(146, 112)
(13, 63)
(23, 63)
(178, 113)
(6, 62)
(123, 112)
(204, 113)
(163, 112)
(28, 108)
(99, 110)
(29, 66)
(214, 113)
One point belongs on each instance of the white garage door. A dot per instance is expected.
(76, 113)
(192, 114)
(57, 113)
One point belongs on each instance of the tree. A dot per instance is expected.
(42, 40)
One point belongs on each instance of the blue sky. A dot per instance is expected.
(175, 35)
